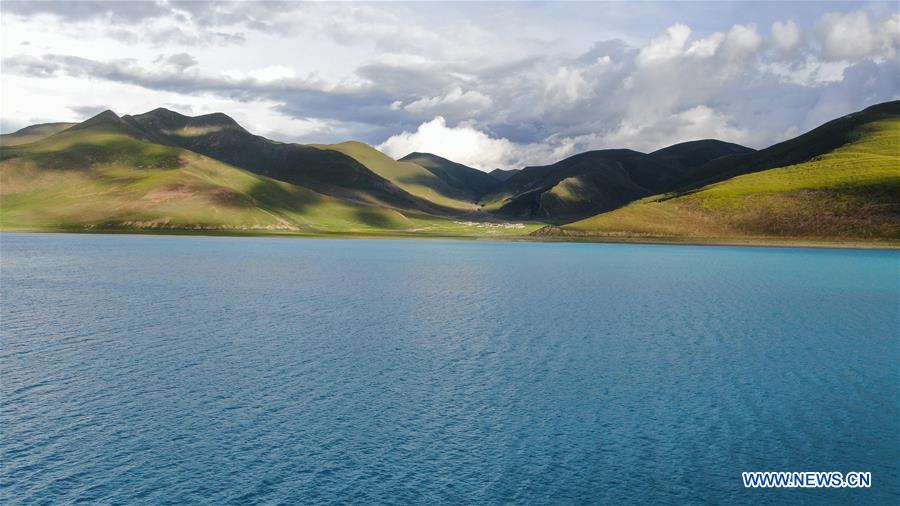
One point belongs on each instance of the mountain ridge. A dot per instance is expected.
(839, 181)
(292, 186)
(601, 180)
(468, 181)
(504, 174)
(325, 171)
(33, 133)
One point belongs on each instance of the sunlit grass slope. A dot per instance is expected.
(32, 133)
(468, 181)
(102, 178)
(850, 193)
(409, 176)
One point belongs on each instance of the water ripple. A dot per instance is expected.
(173, 370)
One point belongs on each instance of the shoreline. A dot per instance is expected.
(766, 242)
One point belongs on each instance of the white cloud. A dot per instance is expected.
(705, 48)
(846, 36)
(516, 84)
(470, 146)
(669, 44)
(809, 72)
(672, 45)
(462, 144)
(465, 144)
(268, 74)
(566, 86)
(34, 101)
(652, 133)
(741, 41)
(786, 35)
(853, 36)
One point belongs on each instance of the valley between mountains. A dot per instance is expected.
(165, 172)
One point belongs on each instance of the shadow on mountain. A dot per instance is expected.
(84, 155)
(373, 218)
(441, 189)
(275, 196)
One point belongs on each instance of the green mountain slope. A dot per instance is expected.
(816, 142)
(410, 177)
(32, 133)
(851, 192)
(163, 170)
(472, 183)
(597, 181)
(105, 175)
(328, 172)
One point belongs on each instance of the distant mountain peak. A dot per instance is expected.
(162, 112)
(33, 133)
(168, 122)
(707, 145)
(108, 121)
(215, 118)
(472, 182)
(502, 175)
(422, 154)
(107, 115)
(105, 118)
(431, 157)
(353, 142)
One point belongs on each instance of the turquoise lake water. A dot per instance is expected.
(163, 369)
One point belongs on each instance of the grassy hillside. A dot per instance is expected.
(326, 171)
(166, 171)
(598, 181)
(850, 193)
(100, 177)
(411, 177)
(816, 142)
(32, 133)
(466, 181)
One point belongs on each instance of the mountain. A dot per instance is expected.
(696, 153)
(828, 137)
(466, 181)
(411, 177)
(32, 133)
(104, 173)
(162, 170)
(325, 171)
(597, 181)
(503, 175)
(109, 122)
(108, 173)
(840, 181)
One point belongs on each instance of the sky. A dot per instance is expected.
(490, 85)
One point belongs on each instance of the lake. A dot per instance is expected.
(172, 369)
